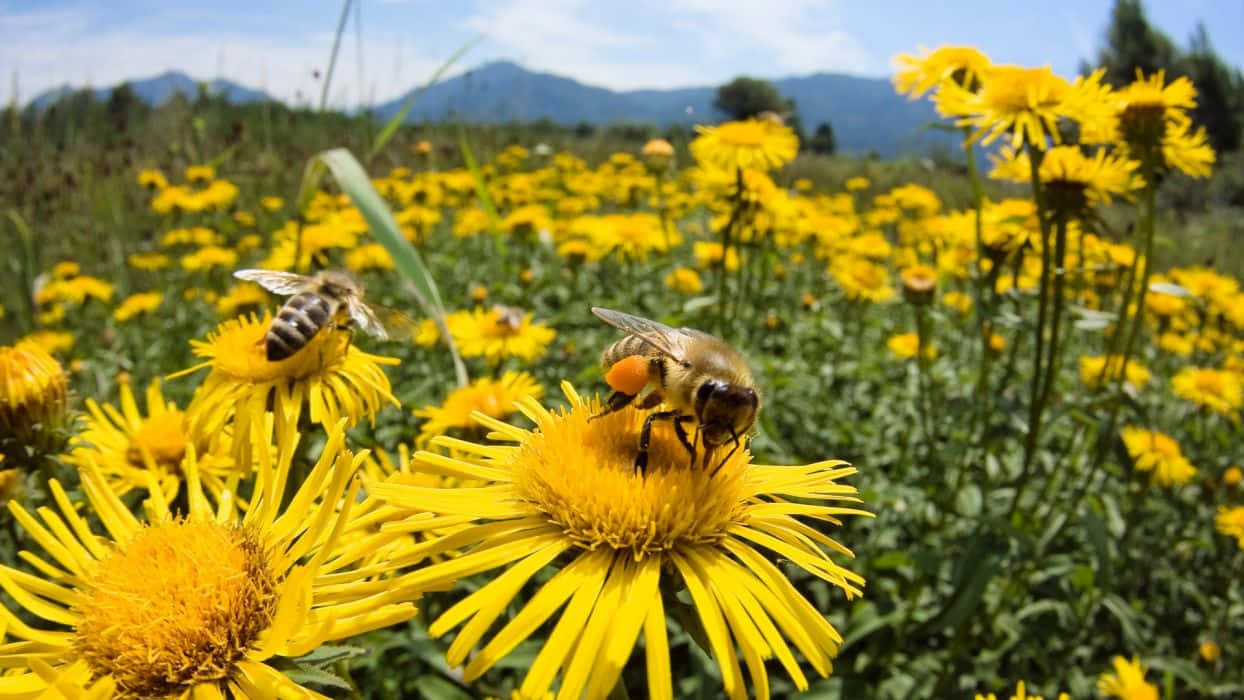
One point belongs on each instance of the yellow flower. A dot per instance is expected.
(329, 374)
(1175, 344)
(54, 342)
(1209, 650)
(854, 184)
(1072, 181)
(996, 343)
(209, 257)
(1230, 522)
(136, 304)
(499, 333)
(132, 451)
(755, 143)
(495, 398)
(148, 261)
(1096, 372)
(271, 203)
(207, 605)
(1025, 103)
(684, 280)
(862, 280)
(152, 178)
(1155, 452)
(906, 345)
(372, 256)
(959, 65)
(245, 219)
(242, 295)
(708, 254)
(919, 283)
(567, 498)
(1021, 693)
(958, 301)
(200, 173)
(34, 395)
(1127, 682)
(75, 290)
(658, 150)
(1232, 476)
(1151, 120)
(1217, 390)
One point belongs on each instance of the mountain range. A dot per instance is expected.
(866, 114)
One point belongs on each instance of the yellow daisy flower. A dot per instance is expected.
(135, 304)
(862, 280)
(906, 345)
(1098, 371)
(854, 184)
(684, 280)
(495, 398)
(55, 342)
(1073, 182)
(754, 143)
(1021, 693)
(148, 261)
(1217, 390)
(1230, 522)
(708, 254)
(569, 492)
(128, 448)
(34, 395)
(196, 605)
(329, 374)
(1024, 103)
(960, 65)
(152, 179)
(498, 333)
(1155, 452)
(1127, 682)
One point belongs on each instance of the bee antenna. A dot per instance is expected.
(734, 437)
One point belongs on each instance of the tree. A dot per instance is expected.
(746, 97)
(1220, 93)
(823, 140)
(1131, 43)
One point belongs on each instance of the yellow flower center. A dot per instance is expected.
(581, 474)
(178, 605)
(747, 134)
(1163, 446)
(162, 436)
(1210, 383)
(238, 350)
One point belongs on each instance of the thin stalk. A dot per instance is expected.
(923, 385)
(332, 56)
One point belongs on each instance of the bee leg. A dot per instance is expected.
(617, 401)
(652, 400)
(681, 432)
(645, 436)
(729, 454)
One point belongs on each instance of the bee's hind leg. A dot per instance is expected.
(617, 401)
(645, 435)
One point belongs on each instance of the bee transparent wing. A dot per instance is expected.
(367, 319)
(382, 321)
(667, 341)
(276, 282)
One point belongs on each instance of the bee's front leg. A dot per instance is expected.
(645, 436)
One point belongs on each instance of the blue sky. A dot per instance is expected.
(276, 45)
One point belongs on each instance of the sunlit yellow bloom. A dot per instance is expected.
(658, 150)
(1217, 390)
(708, 254)
(1209, 650)
(958, 301)
(33, 396)
(960, 65)
(862, 280)
(906, 345)
(919, 283)
(854, 184)
(496, 398)
(567, 497)
(329, 374)
(1153, 124)
(196, 605)
(755, 143)
(1021, 693)
(1072, 180)
(200, 173)
(148, 261)
(135, 304)
(1024, 103)
(54, 342)
(372, 256)
(271, 203)
(1232, 476)
(209, 257)
(75, 290)
(201, 236)
(1096, 372)
(1230, 522)
(499, 333)
(528, 220)
(1127, 682)
(684, 280)
(133, 451)
(1157, 453)
(152, 178)
(1176, 344)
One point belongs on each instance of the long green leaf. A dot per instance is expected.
(481, 188)
(354, 181)
(395, 122)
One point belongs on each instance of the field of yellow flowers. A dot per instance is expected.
(998, 451)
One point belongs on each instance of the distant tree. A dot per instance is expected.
(746, 97)
(823, 140)
(1131, 43)
(121, 105)
(1220, 93)
(584, 129)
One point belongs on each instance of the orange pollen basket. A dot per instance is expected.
(628, 375)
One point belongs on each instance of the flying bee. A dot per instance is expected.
(327, 298)
(699, 376)
(510, 316)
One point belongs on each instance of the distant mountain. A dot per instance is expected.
(159, 89)
(866, 113)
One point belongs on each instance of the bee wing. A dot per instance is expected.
(274, 281)
(667, 341)
(381, 321)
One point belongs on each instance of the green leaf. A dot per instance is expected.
(1099, 540)
(1127, 619)
(354, 181)
(481, 188)
(390, 128)
(312, 675)
(329, 653)
(434, 687)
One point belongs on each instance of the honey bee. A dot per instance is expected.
(327, 298)
(699, 376)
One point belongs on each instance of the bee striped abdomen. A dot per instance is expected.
(297, 322)
(630, 345)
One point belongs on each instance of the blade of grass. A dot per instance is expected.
(332, 56)
(390, 128)
(481, 189)
(353, 180)
(27, 266)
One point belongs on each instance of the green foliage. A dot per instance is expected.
(746, 97)
(822, 142)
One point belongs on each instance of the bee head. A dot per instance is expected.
(726, 411)
(337, 284)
